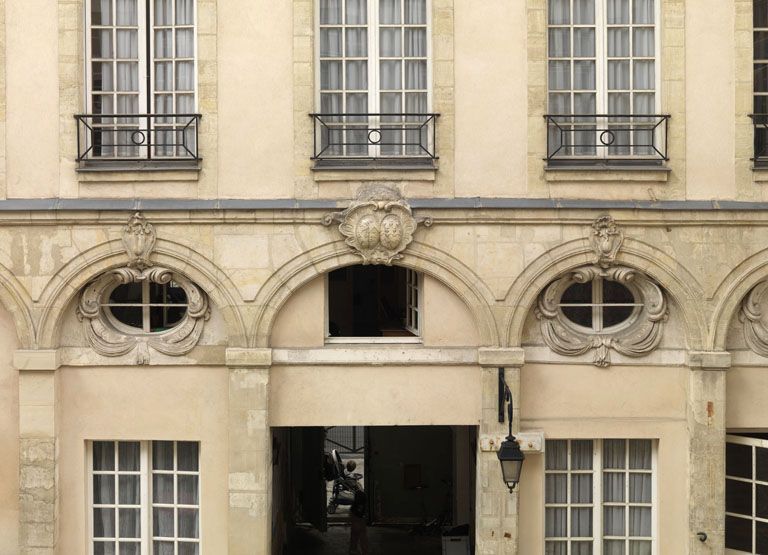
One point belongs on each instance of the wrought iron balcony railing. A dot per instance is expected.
(374, 136)
(137, 137)
(760, 123)
(603, 138)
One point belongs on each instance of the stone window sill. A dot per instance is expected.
(605, 173)
(119, 172)
(375, 170)
(760, 174)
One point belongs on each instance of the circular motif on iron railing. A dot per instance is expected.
(374, 136)
(607, 137)
(138, 137)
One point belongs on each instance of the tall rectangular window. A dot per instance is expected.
(141, 66)
(599, 497)
(603, 73)
(760, 78)
(746, 493)
(145, 498)
(374, 67)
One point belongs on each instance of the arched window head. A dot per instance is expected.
(132, 309)
(599, 309)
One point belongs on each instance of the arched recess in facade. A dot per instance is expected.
(731, 292)
(423, 258)
(682, 287)
(78, 272)
(16, 300)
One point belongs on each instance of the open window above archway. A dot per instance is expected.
(377, 303)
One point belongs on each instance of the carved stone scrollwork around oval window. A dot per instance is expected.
(636, 335)
(753, 317)
(109, 338)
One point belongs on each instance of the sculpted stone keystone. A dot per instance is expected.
(139, 239)
(378, 224)
(606, 240)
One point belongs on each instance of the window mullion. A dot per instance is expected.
(146, 492)
(597, 507)
(597, 308)
(145, 311)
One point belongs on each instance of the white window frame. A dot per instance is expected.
(753, 443)
(374, 85)
(601, 27)
(145, 305)
(597, 504)
(145, 472)
(598, 305)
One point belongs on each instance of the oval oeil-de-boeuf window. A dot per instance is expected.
(598, 305)
(146, 307)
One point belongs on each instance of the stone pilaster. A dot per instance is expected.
(496, 508)
(706, 450)
(37, 453)
(250, 466)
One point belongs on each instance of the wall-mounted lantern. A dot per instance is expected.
(510, 455)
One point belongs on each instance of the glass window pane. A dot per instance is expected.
(103, 548)
(390, 43)
(389, 12)
(188, 490)
(101, 12)
(643, 42)
(614, 547)
(130, 523)
(559, 43)
(559, 103)
(613, 521)
(164, 43)
(330, 11)
(581, 454)
(556, 522)
(618, 12)
(103, 489)
(188, 453)
(584, 43)
(101, 43)
(391, 74)
(185, 76)
(614, 453)
(189, 548)
(128, 455)
(618, 75)
(556, 454)
(581, 548)
(103, 455)
(760, 13)
(644, 74)
(640, 522)
(357, 75)
(162, 548)
(185, 43)
(127, 44)
(188, 523)
(643, 12)
(738, 460)
(584, 12)
(581, 522)
(357, 12)
(761, 501)
(330, 43)
(415, 43)
(618, 42)
(584, 76)
(640, 488)
(104, 523)
(415, 12)
(640, 450)
(761, 464)
(559, 75)
(738, 533)
(415, 74)
(132, 548)
(613, 487)
(581, 488)
(162, 522)
(127, 12)
(760, 77)
(556, 488)
(162, 488)
(162, 455)
(761, 537)
(579, 315)
(163, 12)
(640, 548)
(185, 12)
(738, 497)
(559, 12)
(130, 492)
(357, 42)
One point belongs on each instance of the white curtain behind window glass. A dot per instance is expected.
(357, 12)
(184, 12)
(389, 12)
(127, 13)
(584, 12)
(643, 11)
(559, 12)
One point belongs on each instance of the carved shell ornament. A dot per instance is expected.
(379, 224)
(637, 333)
(110, 337)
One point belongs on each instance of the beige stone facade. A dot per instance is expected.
(494, 225)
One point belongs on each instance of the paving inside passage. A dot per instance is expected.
(382, 541)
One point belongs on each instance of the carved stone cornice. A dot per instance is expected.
(639, 336)
(606, 239)
(110, 338)
(752, 316)
(378, 224)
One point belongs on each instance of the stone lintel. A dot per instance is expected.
(380, 355)
(709, 360)
(37, 360)
(249, 358)
(530, 442)
(509, 357)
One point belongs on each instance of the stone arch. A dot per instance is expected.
(79, 271)
(315, 262)
(731, 292)
(675, 279)
(17, 301)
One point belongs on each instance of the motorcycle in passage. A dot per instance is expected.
(345, 483)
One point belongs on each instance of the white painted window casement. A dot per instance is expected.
(412, 301)
(141, 80)
(374, 73)
(746, 494)
(603, 80)
(600, 497)
(144, 498)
